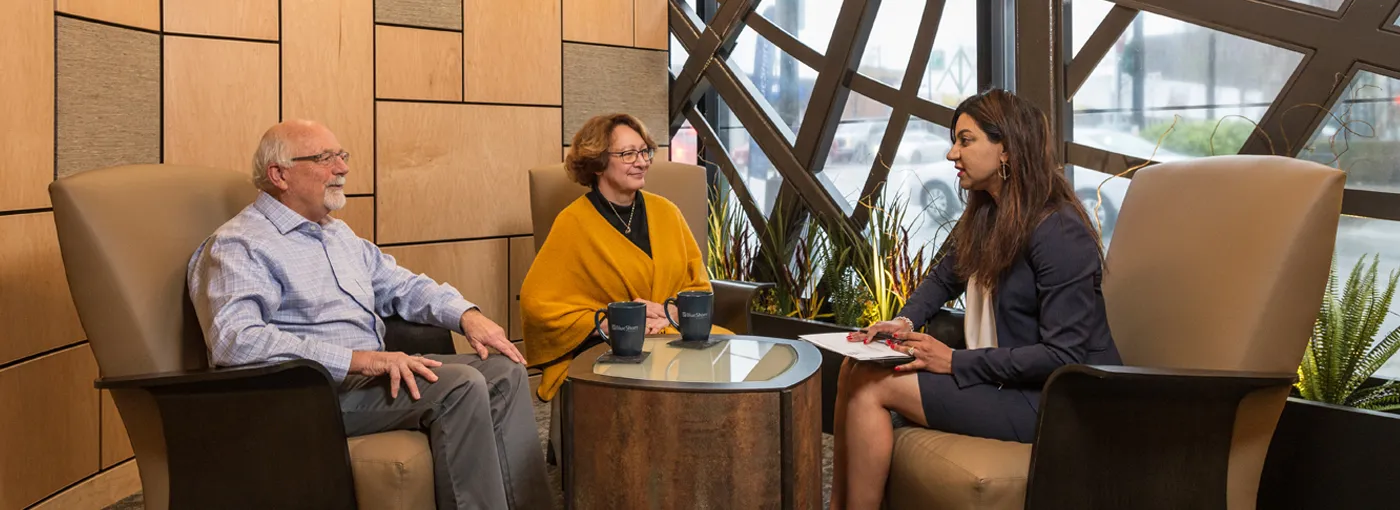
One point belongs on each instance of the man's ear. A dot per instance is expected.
(277, 176)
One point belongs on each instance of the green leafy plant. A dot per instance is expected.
(730, 248)
(1344, 351)
(792, 263)
(847, 297)
(892, 266)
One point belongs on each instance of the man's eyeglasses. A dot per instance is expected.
(325, 157)
(631, 156)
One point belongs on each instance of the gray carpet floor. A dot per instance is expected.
(134, 502)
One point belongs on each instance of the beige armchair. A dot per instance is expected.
(265, 436)
(551, 191)
(1215, 275)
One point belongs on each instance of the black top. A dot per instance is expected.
(1049, 308)
(618, 215)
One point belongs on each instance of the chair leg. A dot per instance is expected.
(554, 454)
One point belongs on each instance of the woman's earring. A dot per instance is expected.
(1005, 170)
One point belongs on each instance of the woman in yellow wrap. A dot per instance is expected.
(614, 243)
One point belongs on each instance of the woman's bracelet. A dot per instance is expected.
(905, 320)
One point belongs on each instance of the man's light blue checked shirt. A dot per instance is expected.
(272, 286)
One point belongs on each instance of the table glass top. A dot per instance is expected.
(731, 360)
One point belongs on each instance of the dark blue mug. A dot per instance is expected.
(696, 309)
(627, 323)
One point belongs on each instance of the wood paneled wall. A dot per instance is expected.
(445, 104)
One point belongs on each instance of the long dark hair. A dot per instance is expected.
(991, 234)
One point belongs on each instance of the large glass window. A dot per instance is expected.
(923, 179)
(684, 146)
(854, 149)
(678, 56)
(810, 21)
(891, 41)
(760, 177)
(1330, 5)
(783, 82)
(1085, 17)
(1101, 194)
(1362, 136)
(952, 66)
(1162, 70)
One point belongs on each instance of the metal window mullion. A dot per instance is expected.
(1098, 45)
(785, 41)
(712, 45)
(899, 117)
(712, 140)
(763, 130)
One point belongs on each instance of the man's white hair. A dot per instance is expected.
(272, 150)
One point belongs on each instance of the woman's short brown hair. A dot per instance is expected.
(588, 155)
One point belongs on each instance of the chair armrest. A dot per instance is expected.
(1138, 437)
(733, 300)
(254, 436)
(210, 375)
(947, 326)
(414, 338)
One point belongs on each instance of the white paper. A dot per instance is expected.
(837, 343)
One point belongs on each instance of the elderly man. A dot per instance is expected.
(284, 280)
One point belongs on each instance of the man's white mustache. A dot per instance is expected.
(340, 181)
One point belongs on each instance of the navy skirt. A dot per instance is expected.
(983, 410)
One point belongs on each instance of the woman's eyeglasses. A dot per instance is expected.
(631, 156)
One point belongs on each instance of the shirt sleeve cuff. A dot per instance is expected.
(963, 363)
(336, 359)
(450, 316)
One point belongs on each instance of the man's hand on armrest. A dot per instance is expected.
(397, 365)
(481, 332)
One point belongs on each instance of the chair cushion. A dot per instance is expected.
(392, 470)
(937, 470)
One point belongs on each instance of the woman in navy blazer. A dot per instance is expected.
(1028, 263)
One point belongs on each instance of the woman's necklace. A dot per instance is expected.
(628, 229)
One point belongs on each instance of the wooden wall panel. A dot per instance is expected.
(522, 253)
(50, 423)
(26, 98)
(249, 19)
(651, 27)
(599, 21)
(328, 75)
(359, 214)
(458, 171)
(220, 96)
(108, 96)
(98, 492)
(134, 13)
(477, 269)
(116, 446)
(420, 13)
(600, 79)
(412, 63)
(500, 38)
(33, 287)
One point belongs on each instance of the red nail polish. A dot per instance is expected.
(898, 369)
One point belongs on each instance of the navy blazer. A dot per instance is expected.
(1049, 309)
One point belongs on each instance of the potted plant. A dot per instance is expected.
(1337, 438)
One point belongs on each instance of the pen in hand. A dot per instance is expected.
(882, 335)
